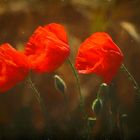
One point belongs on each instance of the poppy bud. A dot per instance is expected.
(124, 118)
(97, 106)
(59, 84)
(104, 87)
(91, 121)
(103, 90)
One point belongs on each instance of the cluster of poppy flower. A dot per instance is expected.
(48, 48)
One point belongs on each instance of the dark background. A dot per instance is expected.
(20, 114)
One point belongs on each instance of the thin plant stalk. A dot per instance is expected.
(37, 95)
(65, 99)
(82, 104)
(36, 92)
(67, 106)
(40, 101)
(78, 85)
(131, 78)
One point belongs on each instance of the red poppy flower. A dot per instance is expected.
(13, 67)
(47, 48)
(100, 55)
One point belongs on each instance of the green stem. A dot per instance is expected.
(82, 104)
(65, 99)
(67, 106)
(77, 79)
(78, 84)
(99, 91)
(37, 95)
(40, 101)
(36, 92)
(131, 78)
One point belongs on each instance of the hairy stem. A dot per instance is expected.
(78, 85)
(37, 95)
(131, 78)
(82, 104)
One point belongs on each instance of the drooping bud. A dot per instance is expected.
(103, 90)
(124, 118)
(97, 106)
(91, 121)
(59, 84)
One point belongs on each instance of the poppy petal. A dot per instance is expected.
(47, 48)
(13, 67)
(100, 55)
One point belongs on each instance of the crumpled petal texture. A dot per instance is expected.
(47, 48)
(13, 67)
(100, 55)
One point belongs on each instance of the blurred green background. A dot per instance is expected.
(20, 114)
